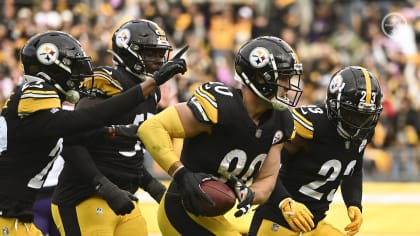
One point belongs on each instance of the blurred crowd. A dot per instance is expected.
(383, 36)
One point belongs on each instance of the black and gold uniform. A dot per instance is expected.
(233, 134)
(312, 176)
(33, 138)
(236, 146)
(326, 153)
(120, 159)
(140, 52)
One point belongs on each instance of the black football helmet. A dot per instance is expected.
(354, 100)
(266, 64)
(59, 59)
(141, 46)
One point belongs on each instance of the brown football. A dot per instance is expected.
(222, 195)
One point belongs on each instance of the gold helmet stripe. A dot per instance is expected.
(368, 85)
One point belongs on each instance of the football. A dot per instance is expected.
(222, 195)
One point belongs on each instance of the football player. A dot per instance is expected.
(326, 153)
(231, 134)
(33, 124)
(140, 50)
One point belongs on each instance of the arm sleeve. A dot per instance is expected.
(66, 123)
(351, 189)
(96, 135)
(156, 134)
(78, 157)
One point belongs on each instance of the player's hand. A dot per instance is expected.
(120, 201)
(244, 195)
(189, 188)
(355, 216)
(127, 131)
(297, 215)
(172, 67)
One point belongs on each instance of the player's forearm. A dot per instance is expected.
(102, 113)
(351, 190)
(263, 189)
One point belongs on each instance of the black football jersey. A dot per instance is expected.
(236, 145)
(119, 159)
(312, 175)
(28, 149)
(33, 127)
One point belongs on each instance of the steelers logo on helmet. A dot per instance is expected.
(122, 38)
(259, 57)
(47, 53)
(336, 83)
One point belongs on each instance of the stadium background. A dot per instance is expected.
(381, 35)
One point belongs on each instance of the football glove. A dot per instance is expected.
(189, 188)
(244, 195)
(120, 201)
(355, 216)
(128, 131)
(297, 215)
(172, 67)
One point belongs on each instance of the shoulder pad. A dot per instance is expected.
(37, 96)
(104, 82)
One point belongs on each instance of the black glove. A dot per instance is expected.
(169, 69)
(128, 131)
(172, 67)
(189, 188)
(244, 195)
(120, 201)
(151, 185)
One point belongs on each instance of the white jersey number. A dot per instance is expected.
(226, 169)
(38, 180)
(310, 189)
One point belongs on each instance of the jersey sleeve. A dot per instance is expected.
(304, 126)
(37, 97)
(103, 83)
(203, 103)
